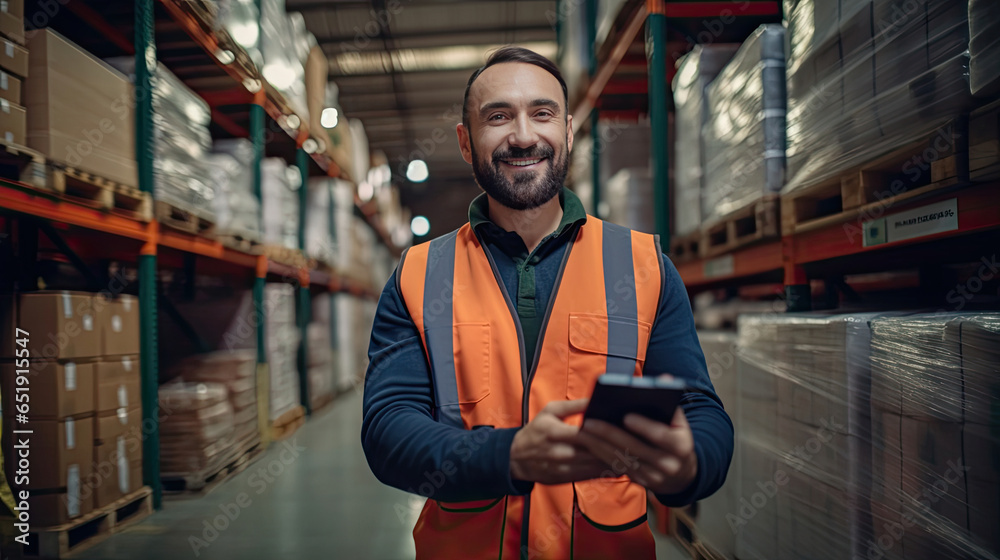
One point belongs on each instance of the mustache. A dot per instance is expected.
(535, 152)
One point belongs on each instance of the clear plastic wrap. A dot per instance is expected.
(241, 19)
(237, 208)
(181, 174)
(282, 342)
(868, 436)
(744, 134)
(889, 73)
(984, 47)
(319, 238)
(285, 44)
(694, 72)
(280, 202)
(629, 194)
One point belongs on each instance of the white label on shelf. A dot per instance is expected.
(9, 49)
(88, 322)
(122, 466)
(4, 6)
(127, 363)
(4, 81)
(116, 323)
(73, 490)
(5, 106)
(122, 415)
(70, 369)
(919, 222)
(874, 232)
(122, 397)
(127, 304)
(67, 306)
(722, 266)
(70, 434)
(8, 137)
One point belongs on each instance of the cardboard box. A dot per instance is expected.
(79, 109)
(60, 325)
(53, 509)
(984, 511)
(119, 325)
(11, 22)
(981, 369)
(13, 122)
(14, 58)
(56, 390)
(117, 384)
(10, 88)
(54, 446)
(931, 450)
(117, 455)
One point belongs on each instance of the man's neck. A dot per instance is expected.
(532, 225)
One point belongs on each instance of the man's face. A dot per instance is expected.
(518, 138)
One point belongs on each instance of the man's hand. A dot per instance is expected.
(665, 463)
(547, 450)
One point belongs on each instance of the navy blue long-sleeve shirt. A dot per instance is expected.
(408, 449)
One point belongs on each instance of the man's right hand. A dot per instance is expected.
(546, 449)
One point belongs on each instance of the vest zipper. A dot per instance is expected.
(527, 375)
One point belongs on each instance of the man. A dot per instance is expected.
(487, 343)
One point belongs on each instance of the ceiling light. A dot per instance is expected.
(420, 226)
(417, 171)
(330, 117)
(365, 191)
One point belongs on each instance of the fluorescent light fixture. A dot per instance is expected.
(292, 121)
(330, 117)
(245, 34)
(279, 74)
(416, 60)
(416, 171)
(420, 226)
(225, 56)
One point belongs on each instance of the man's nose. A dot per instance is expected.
(524, 134)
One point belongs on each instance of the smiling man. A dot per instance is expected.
(488, 341)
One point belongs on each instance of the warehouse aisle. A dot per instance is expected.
(310, 497)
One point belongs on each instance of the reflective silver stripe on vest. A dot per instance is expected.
(619, 290)
(438, 302)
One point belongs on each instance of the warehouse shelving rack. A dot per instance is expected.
(823, 250)
(242, 109)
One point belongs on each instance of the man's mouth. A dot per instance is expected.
(522, 162)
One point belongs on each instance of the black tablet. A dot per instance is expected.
(616, 395)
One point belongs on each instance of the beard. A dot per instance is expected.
(527, 189)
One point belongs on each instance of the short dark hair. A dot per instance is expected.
(512, 53)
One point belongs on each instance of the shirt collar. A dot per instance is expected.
(573, 213)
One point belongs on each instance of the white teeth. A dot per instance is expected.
(524, 163)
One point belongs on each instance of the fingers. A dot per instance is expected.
(675, 438)
(562, 409)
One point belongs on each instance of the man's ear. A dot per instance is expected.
(464, 142)
(569, 133)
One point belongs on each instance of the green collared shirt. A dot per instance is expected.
(520, 269)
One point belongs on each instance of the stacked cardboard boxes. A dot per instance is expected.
(80, 110)
(13, 69)
(279, 198)
(82, 379)
(237, 208)
(196, 429)
(322, 353)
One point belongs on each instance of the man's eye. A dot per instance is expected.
(497, 117)
(543, 114)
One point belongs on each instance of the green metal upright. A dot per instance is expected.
(656, 61)
(145, 66)
(260, 279)
(595, 162)
(302, 294)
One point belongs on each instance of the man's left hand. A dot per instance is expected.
(665, 463)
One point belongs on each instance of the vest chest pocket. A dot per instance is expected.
(472, 361)
(603, 344)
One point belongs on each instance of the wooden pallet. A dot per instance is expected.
(20, 163)
(913, 170)
(203, 482)
(92, 190)
(685, 248)
(239, 242)
(685, 531)
(183, 220)
(748, 225)
(284, 255)
(90, 529)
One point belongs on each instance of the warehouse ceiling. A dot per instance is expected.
(401, 67)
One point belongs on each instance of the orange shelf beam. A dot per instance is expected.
(16, 197)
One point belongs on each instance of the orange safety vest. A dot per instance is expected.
(599, 320)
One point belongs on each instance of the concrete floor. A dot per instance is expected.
(310, 497)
